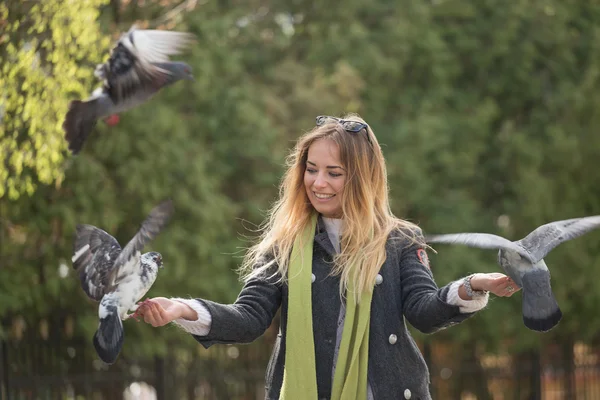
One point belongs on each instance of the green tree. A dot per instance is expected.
(485, 114)
(42, 49)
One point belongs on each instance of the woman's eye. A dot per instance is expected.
(334, 175)
(310, 170)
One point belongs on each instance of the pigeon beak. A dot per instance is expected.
(191, 78)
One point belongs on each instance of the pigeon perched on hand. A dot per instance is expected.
(138, 68)
(116, 277)
(523, 261)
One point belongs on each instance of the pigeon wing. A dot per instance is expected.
(129, 259)
(545, 238)
(94, 254)
(481, 240)
(155, 46)
(130, 69)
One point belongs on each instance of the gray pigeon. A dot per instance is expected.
(117, 278)
(137, 69)
(523, 261)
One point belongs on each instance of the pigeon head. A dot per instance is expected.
(181, 70)
(152, 259)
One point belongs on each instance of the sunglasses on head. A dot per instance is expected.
(348, 125)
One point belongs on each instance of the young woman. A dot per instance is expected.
(346, 273)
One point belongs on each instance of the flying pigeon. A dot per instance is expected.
(137, 69)
(115, 277)
(523, 261)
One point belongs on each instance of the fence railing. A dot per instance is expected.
(43, 369)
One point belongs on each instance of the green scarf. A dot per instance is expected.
(299, 376)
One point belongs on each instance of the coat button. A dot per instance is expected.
(407, 394)
(393, 339)
(313, 278)
(378, 279)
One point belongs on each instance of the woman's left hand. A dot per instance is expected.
(495, 282)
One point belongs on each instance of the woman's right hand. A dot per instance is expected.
(160, 311)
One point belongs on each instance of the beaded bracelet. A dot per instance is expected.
(470, 292)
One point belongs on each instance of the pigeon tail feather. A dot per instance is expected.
(108, 339)
(79, 122)
(540, 309)
(543, 325)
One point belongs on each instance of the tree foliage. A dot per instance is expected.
(486, 114)
(42, 50)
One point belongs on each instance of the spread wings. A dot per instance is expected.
(546, 237)
(99, 259)
(481, 240)
(94, 254)
(151, 227)
(131, 70)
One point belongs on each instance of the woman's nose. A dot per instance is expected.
(320, 182)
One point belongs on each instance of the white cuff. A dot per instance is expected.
(201, 326)
(465, 306)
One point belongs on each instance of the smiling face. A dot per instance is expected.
(324, 178)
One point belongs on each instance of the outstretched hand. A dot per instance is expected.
(159, 311)
(494, 282)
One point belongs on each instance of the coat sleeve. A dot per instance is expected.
(425, 306)
(247, 318)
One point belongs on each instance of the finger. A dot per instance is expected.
(510, 290)
(143, 310)
(506, 284)
(499, 288)
(146, 309)
(151, 316)
(140, 311)
(155, 315)
(155, 307)
(148, 318)
(510, 282)
(499, 282)
(502, 289)
(158, 313)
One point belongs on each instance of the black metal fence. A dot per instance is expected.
(54, 369)
(37, 369)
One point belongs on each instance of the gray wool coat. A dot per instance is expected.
(405, 291)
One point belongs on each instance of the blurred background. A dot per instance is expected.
(486, 111)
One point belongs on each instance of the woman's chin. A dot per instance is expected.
(328, 212)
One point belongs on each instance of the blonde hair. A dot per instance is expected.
(368, 219)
